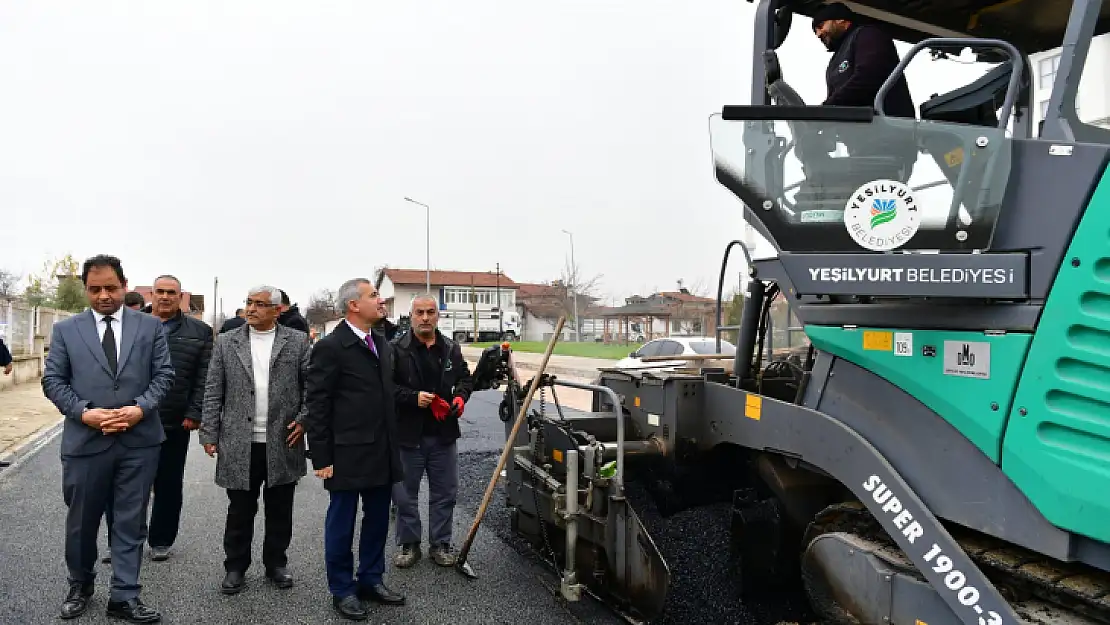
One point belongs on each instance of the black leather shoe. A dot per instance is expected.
(77, 601)
(350, 607)
(133, 611)
(380, 594)
(280, 577)
(233, 583)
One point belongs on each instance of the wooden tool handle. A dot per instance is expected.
(465, 550)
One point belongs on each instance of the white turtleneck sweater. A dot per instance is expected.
(262, 345)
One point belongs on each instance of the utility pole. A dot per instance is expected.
(574, 277)
(474, 307)
(215, 298)
(427, 243)
(500, 312)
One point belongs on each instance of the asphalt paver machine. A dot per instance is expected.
(941, 452)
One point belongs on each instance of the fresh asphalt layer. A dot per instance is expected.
(512, 587)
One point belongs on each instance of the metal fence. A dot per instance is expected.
(20, 323)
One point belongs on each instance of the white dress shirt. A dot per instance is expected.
(117, 328)
(359, 333)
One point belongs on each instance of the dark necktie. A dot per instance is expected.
(109, 343)
(371, 345)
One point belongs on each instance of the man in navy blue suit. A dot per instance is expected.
(351, 432)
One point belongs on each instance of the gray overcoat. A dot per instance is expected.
(229, 407)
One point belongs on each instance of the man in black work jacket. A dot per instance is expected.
(190, 343)
(432, 384)
(863, 58)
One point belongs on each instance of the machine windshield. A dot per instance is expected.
(829, 185)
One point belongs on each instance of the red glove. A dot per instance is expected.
(458, 404)
(440, 408)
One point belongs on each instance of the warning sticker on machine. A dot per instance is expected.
(969, 359)
(903, 343)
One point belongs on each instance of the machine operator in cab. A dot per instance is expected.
(863, 58)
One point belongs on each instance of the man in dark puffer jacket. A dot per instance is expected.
(190, 342)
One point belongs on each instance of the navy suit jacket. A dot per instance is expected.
(77, 377)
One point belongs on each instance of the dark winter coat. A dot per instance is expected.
(231, 324)
(409, 377)
(190, 342)
(387, 328)
(292, 318)
(864, 58)
(351, 424)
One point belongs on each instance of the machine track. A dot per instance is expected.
(1040, 589)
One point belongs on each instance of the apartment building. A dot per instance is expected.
(1093, 102)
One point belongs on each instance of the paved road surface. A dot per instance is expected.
(512, 589)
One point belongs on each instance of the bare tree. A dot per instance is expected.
(8, 283)
(691, 317)
(379, 275)
(321, 307)
(580, 286)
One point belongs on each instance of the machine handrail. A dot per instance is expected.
(717, 329)
(618, 478)
(959, 43)
(803, 113)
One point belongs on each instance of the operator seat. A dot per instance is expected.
(976, 104)
(829, 182)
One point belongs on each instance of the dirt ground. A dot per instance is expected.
(23, 411)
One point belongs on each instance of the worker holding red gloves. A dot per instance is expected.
(433, 384)
(441, 409)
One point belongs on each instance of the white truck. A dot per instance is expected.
(459, 325)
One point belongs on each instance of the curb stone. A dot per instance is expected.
(29, 446)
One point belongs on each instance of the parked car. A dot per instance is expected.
(674, 346)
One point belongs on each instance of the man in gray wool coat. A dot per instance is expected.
(254, 410)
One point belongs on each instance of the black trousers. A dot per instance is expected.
(165, 511)
(241, 510)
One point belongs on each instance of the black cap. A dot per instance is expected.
(833, 11)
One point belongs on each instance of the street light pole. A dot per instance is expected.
(500, 312)
(574, 276)
(427, 243)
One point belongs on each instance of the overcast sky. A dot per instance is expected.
(273, 141)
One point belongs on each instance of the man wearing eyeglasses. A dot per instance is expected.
(253, 420)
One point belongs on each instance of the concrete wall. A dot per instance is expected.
(27, 369)
(540, 329)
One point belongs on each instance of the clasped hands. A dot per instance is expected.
(112, 421)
